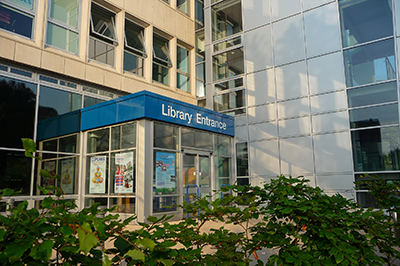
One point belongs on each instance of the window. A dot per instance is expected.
(230, 101)
(183, 71)
(135, 52)
(62, 25)
(370, 63)
(102, 39)
(18, 17)
(183, 5)
(161, 59)
(365, 20)
(200, 64)
(228, 64)
(226, 19)
(242, 159)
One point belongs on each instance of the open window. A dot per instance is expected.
(161, 59)
(103, 38)
(135, 51)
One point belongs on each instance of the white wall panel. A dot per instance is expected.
(264, 160)
(335, 182)
(291, 81)
(333, 153)
(263, 131)
(258, 49)
(261, 87)
(307, 4)
(284, 8)
(288, 40)
(293, 127)
(293, 108)
(322, 30)
(296, 156)
(240, 120)
(326, 73)
(330, 122)
(255, 13)
(241, 133)
(328, 102)
(262, 113)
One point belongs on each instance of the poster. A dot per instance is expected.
(68, 175)
(98, 174)
(124, 174)
(49, 166)
(165, 172)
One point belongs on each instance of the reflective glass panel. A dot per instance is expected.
(124, 205)
(101, 51)
(376, 149)
(98, 140)
(183, 59)
(365, 20)
(68, 144)
(226, 19)
(89, 101)
(65, 11)
(165, 136)
(164, 204)
(115, 138)
(53, 102)
(17, 111)
(160, 73)
(128, 138)
(67, 169)
(222, 167)
(229, 100)
(183, 5)
(199, 11)
(370, 63)
(374, 116)
(204, 171)
(222, 145)
(200, 89)
(189, 169)
(229, 84)
(62, 38)
(134, 37)
(182, 82)
(228, 64)
(196, 139)
(202, 103)
(16, 21)
(15, 171)
(200, 43)
(226, 44)
(133, 63)
(242, 159)
(376, 94)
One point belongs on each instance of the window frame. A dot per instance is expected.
(181, 72)
(63, 25)
(142, 55)
(102, 37)
(25, 11)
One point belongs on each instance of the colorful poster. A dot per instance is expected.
(98, 174)
(49, 166)
(165, 172)
(68, 175)
(124, 174)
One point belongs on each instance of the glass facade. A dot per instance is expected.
(18, 18)
(183, 69)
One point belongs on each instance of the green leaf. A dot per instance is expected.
(29, 146)
(45, 173)
(287, 210)
(167, 262)
(135, 255)
(2, 234)
(145, 242)
(339, 257)
(106, 261)
(16, 250)
(87, 240)
(66, 230)
(42, 251)
(152, 219)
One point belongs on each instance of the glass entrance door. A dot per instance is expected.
(196, 175)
